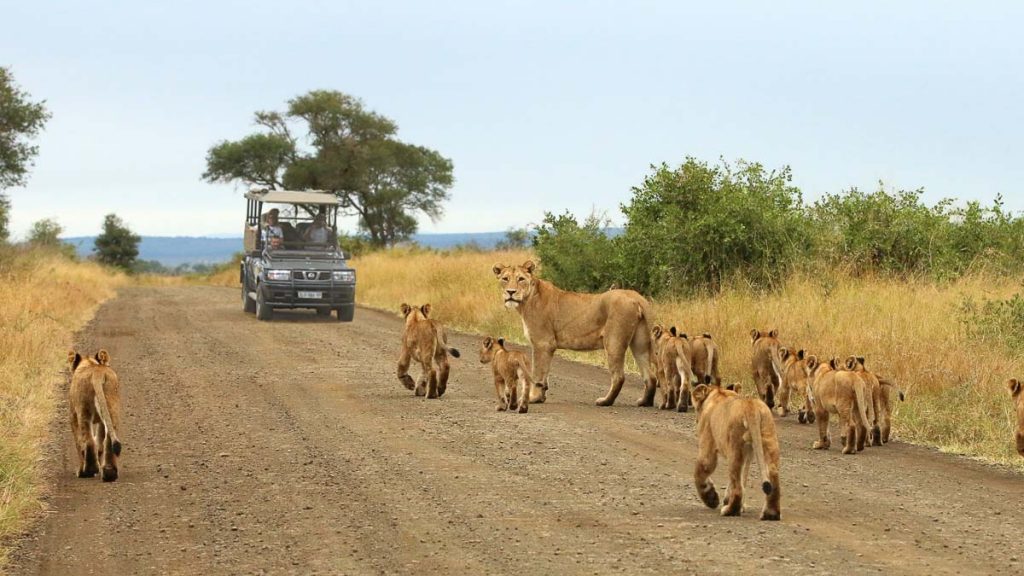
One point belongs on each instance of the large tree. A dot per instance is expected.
(117, 245)
(20, 122)
(346, 149)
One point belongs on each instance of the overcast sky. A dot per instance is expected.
(540, 105)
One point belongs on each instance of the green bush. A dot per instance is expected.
(576, 257)
(697, 226)
(997, 321)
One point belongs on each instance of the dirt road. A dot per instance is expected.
(291, 448)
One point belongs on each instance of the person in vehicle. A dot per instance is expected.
(273, 236)
(318, 232)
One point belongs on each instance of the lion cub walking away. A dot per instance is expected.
(1018, 402)
(704, 359)
(672, 358)
(424, 341)
(95, 401)
(512, 374)
(844, 394)
(766, 364)
(797, 370)
(738, 429)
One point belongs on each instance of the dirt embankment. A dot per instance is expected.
(290, 448)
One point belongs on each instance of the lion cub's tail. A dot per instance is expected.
(454, 352)
(890, 384)
(755, 427)
(683, 365)
(862, 403)
(99, 378)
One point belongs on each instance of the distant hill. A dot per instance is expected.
(173, 251)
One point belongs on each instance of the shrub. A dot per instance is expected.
(575, 257)
(696, 226)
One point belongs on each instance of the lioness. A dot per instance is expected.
(797, 369)
(766, 364)
(95, 400)
(672, 359)
(704, 359)
(736, 428)
(511, 371)
(1018, 402)
(558, 319)
(424, 341)
(844, 394)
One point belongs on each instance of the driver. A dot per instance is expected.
(317, 233)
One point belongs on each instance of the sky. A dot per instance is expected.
(541, 106)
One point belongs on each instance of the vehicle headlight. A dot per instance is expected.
(278, 274)
(344, 275)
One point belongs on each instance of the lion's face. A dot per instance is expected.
(517, 282)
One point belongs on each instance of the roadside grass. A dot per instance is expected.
(44, 299)
(911, 331)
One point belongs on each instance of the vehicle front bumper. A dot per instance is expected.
(286, 294)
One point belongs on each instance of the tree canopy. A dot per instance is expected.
(20, 121)
(347, 150)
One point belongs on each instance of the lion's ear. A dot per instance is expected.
(754, 335)
(774, 334)
(783, 352)
(103, 357)
(74, 359)
(406, 309)
(501, 342)
(672, 330)
(1014, 385)
(834, 363)
(812, 362)
(497, 268)
(699, 393)
(488, 342)
(861, 360)
(529, 266)
(851, 362)
(425, 309)
(800, 354)
(657, 330)
(684, 336)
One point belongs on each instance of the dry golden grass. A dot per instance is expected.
(909, 331)
(44, 299)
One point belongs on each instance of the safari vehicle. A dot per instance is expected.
(290, 270)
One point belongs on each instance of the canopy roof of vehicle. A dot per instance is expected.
(293, 197)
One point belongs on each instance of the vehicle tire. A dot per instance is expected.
(323, 312)
(263, 312)
(248, 304)
(346, 314)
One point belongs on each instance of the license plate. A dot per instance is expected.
(311, 295)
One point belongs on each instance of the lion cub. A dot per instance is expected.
(672, 353)
(511, 371)
(797, 370)
(95, 400)
(424, 341)
(1018, 402)
(844, 394)
(738, 429)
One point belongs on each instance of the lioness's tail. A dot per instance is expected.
(454, 352)
(710, 347)
(890, 384)
(862, 403)
(99, 378)
(756, 439)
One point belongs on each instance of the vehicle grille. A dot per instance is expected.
(310, 275)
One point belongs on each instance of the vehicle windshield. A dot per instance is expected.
(298, 228)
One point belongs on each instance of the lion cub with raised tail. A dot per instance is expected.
(424, 341)
(95, 399)
(512, 380)
(739, 429)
